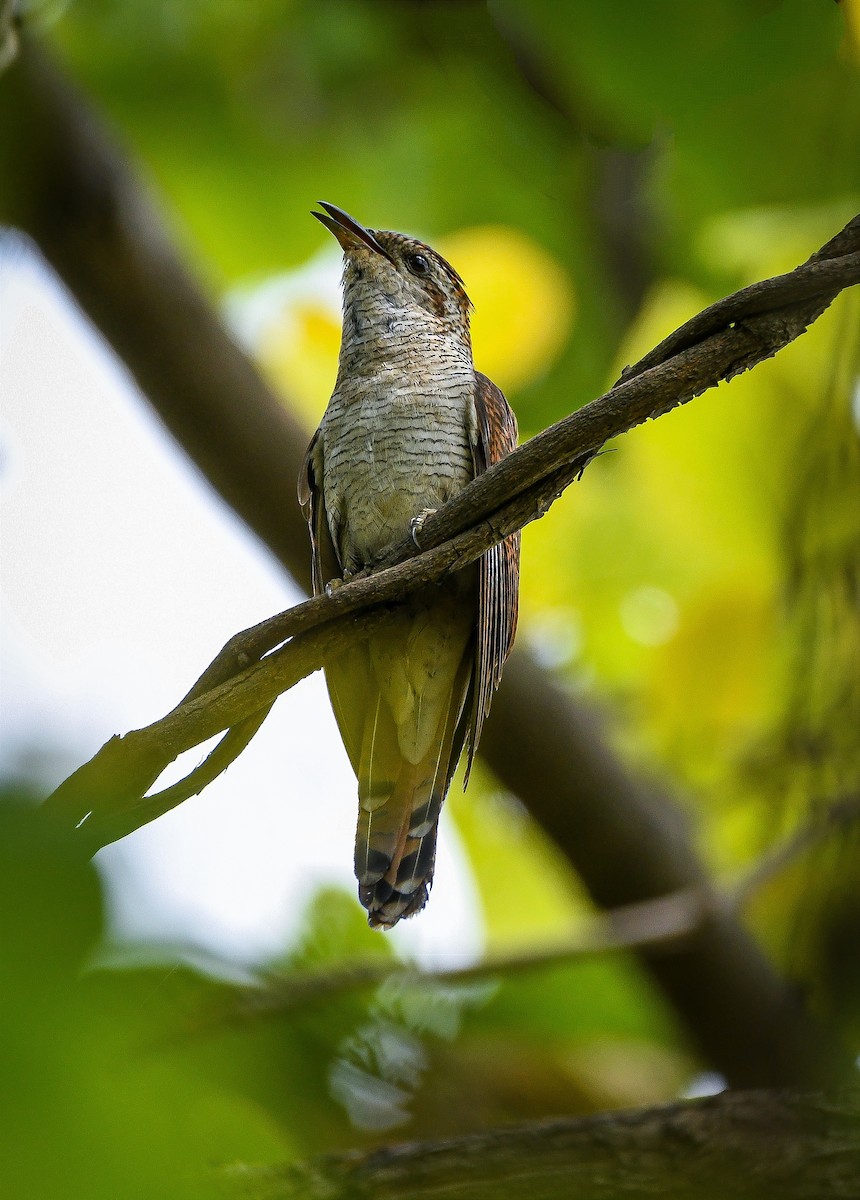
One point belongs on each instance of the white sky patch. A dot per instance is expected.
(123, 574)
(251, 308)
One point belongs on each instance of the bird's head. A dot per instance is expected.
(395, 279)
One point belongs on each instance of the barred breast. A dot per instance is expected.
(392, 446)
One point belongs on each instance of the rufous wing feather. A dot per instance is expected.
(499, 568)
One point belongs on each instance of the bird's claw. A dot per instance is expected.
(417, 524)
(333, 584)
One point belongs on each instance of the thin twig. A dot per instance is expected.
(838, 815)
(660, 923)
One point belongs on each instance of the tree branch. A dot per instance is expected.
(105, 798)
(71, 190)
(723, 340)
(751, 1145)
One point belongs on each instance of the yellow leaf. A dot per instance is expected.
(298, 351)
(524, 301)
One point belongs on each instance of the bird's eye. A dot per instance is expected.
(417, 264)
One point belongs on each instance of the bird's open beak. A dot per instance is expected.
(347, 230)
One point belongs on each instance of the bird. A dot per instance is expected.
(410, 422)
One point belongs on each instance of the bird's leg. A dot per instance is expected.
(417, 523)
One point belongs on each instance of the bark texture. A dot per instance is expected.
(752, 1145)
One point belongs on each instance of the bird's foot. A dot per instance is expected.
(333, 584)
(417, 523)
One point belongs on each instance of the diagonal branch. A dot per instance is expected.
(729, 337)
(717, 344)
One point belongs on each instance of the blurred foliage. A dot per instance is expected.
(143, 1082)
(598, 173)
(87, 1109)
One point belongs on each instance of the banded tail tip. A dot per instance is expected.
(386, 906)
(403, 889)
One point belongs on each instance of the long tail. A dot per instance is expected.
(395, 846)
(395, 851)
(403, 701)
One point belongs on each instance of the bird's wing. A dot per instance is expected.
(499, 571)
(349, 698)
(325, 564)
